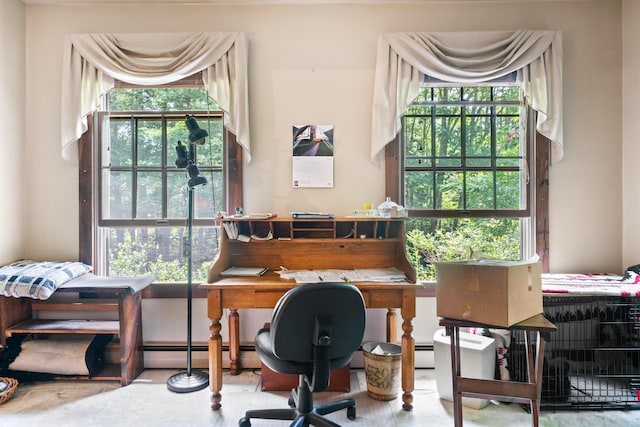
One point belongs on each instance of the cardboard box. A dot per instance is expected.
(493, 292)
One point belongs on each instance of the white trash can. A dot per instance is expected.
(477, 360)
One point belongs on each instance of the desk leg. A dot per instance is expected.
(535, 372)
(454, 339)
(214, 307)
(408, 362)
(234, 341)
(392, 326)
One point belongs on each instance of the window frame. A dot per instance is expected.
(162, 117)
(525, 116)
(88, 192)
(394, 188)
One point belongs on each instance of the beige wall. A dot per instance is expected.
(631, 133)
(315, 64)
(12, 139)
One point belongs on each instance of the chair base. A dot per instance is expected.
(302, 412)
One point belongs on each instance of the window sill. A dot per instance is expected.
(173, 290)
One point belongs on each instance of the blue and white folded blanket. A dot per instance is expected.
(38, 280)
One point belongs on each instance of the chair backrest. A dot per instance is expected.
(318, 311)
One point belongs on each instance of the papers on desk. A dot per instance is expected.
(266, 215)
(383, 275)
(244, 271)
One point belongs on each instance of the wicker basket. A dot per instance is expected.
(8, 392)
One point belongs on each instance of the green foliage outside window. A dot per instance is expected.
(454, 240)
(143, 135)
(157, 252)
(463, 162)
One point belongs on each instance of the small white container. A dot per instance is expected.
(477, 360)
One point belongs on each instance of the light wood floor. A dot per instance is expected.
(147, 402)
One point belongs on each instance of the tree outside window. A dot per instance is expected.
(464, 162)
(142, 208)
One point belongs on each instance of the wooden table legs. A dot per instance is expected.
(529, 392)
(215, 348)
(215, 351)
(408, 351)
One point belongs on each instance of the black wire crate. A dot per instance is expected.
(593, 360)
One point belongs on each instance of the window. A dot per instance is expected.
(463, 161)
(141, 196)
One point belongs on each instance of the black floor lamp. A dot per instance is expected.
(189, 380)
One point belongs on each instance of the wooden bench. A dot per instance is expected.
(87, 294)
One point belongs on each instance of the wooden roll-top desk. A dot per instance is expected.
(308, 244)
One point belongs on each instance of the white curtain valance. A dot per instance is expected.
(93, 61)
(467, 57)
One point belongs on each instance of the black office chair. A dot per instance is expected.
(315, 328)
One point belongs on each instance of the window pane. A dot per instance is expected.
(419, 194)
(448, 141)
(478, 137)
(508, 136)
(417, 137)
(149, 195)
(508, 190)
(159, 99)
(508, 162)
(449, 190)
(423, 96)
(175, 132)
(418, 109)
(149, 140)
(442, 94)
(445, 110)
(159, 251)
(121, 137)
(119, 204)
(211, 194)
(177, 194)
(480, 93)
(203, 206)
(479, 190)
(506, 93)
(210, 153)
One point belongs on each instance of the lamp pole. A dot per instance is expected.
(189, 380)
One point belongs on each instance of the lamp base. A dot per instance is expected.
(183, 382)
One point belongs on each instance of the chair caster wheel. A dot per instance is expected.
(351, 412)
(244, 422)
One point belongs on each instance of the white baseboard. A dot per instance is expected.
(248, 359)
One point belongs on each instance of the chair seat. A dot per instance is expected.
(265, 352)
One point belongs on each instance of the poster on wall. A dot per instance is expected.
(312, 156)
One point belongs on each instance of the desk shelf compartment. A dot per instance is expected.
(338, 243)
(341, 228)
